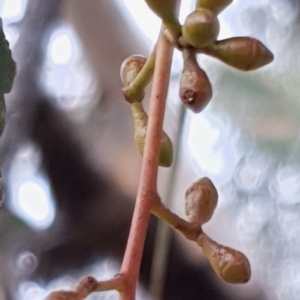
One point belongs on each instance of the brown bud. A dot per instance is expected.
(130, 68)
(201, 200)
(140, 128)
(215, 6)
(201, 28)
(243, 53)
(86, 286)
(195, 88)
(229, 264)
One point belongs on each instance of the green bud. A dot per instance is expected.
(195, 89)
(215, 6)
(140, 125)
(201, 200)
(243, 53)
(201, 28)
(167, 11)
(166, 151)
(229, 264)
(7, 65)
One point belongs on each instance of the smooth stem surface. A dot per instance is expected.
(147, 192)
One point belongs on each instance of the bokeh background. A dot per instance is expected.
(71, 168)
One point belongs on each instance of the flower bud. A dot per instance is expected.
(86, 285)
(195, 88)
(243, 53)
(166, 151)
(140, 128)
(229, 264)
(215, 6)
(201, 200)
(201, 28)
(130, 68)
(7, 65)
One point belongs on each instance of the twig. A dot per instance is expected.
(115, 283)
(190, 230)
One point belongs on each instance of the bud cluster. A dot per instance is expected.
(200, 202)
(199, 34)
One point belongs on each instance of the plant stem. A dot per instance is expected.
(115, 283)
(147, 192)
(190, 230)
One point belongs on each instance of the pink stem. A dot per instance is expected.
(147, 192)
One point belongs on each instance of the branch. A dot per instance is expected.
(147, 193)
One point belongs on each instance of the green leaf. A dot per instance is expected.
(7, 64)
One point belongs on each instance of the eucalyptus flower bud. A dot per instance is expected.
(167, 11)
(201, 200)
(140, 129)
(243, 53)
(229, 264)
(86, 285)
(195, 88)
(215, 6)
(201, 28)
(130, 68)
(7, 65)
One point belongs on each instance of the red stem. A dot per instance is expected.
(147, 192)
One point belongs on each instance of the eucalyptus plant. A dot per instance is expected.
(197, 35)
